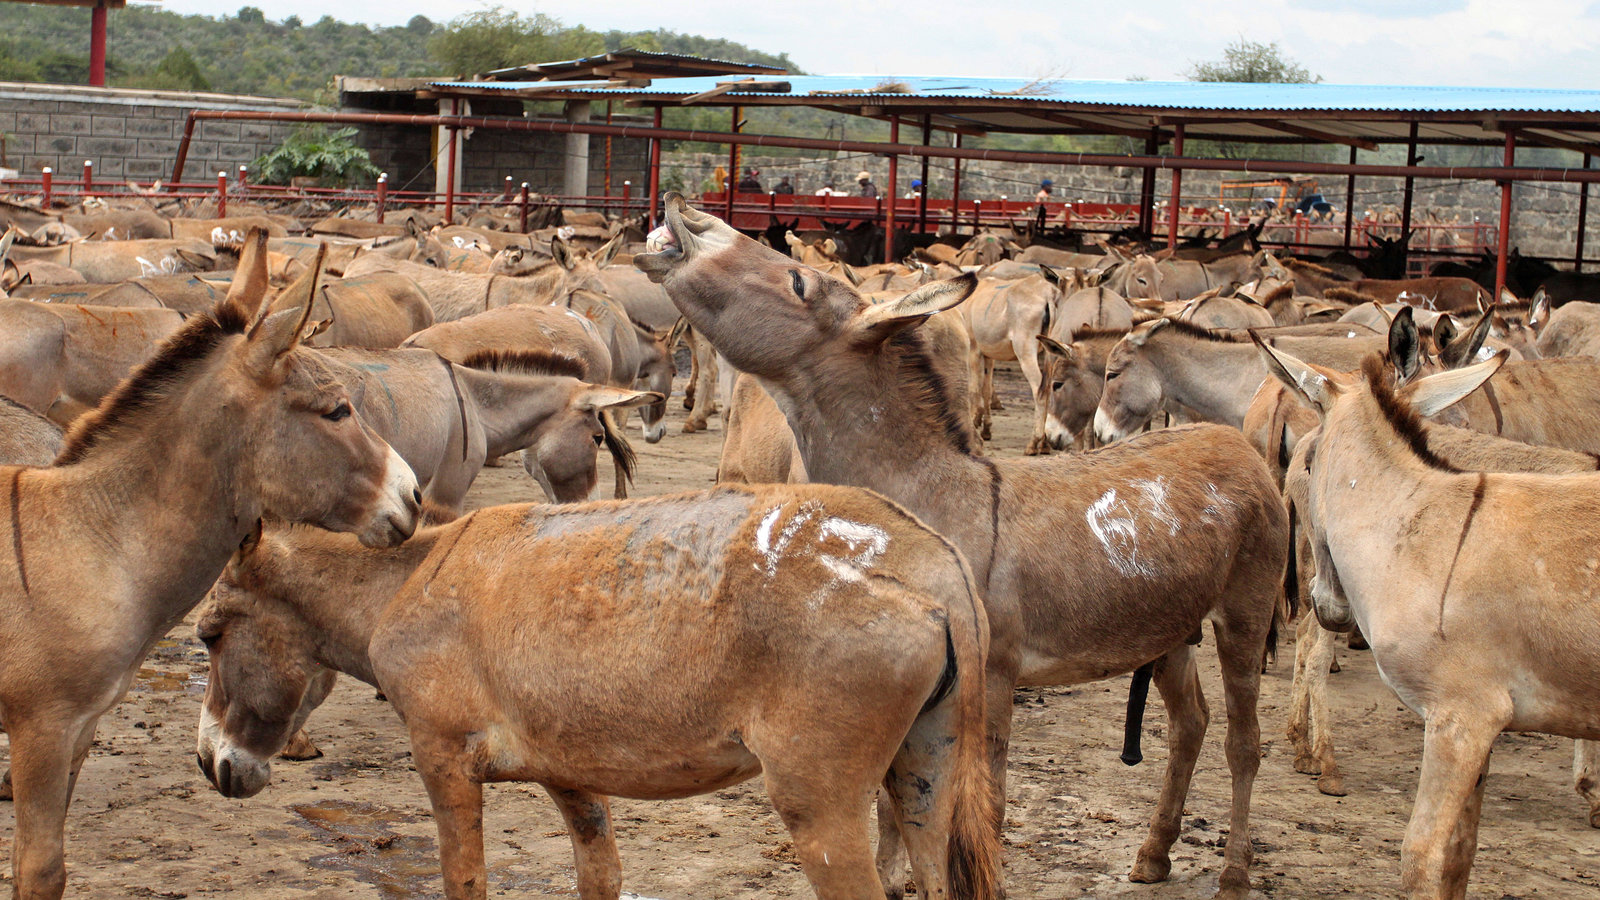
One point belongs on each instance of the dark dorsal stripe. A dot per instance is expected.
(1466, 526)
(461, 404)
(1189, 329)
(1401, 417)
(16, 528)
(536, 361)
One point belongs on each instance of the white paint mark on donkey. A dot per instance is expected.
(1155, 500)
(866, 543)
(1113, 522)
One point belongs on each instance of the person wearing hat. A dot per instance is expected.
(865, 187)
(751, 182)
(916, 189)
(1041, 198)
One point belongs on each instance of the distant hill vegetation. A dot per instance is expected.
(247, 54)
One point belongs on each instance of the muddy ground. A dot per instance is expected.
(355, 823)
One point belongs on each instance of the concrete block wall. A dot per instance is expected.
(129, 134)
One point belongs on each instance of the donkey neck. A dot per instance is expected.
(1213, 378)
(340, 590)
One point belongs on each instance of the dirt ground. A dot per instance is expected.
(355, 823)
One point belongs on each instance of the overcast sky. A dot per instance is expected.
(1509, 43)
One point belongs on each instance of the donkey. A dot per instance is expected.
(639, 354)
(27, 438)
(1079, 558)
(230, 421)
(112, 261)
(60, 359)
(1476, 644)
(762, 619)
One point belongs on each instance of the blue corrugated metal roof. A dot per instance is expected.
(1151, 94)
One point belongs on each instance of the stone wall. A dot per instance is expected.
(129, 134)
(1544, 217)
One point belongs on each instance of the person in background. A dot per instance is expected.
(784, 187)
(751, 182)
(916, 189)
(864, 185)
(1046, 187)
(826, 190)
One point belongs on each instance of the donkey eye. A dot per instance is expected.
(1056, 385)
(338, 413)
(1111, 375)
(599, 439)
(799, 285)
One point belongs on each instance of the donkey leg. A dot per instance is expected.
(1586, 776)
(1464, 842)
(457, 803)
(920, 786)
(1028, 361)
(892, 858)
(1299, 728)
(300, 747)
(1455, 748)
(44, 764)
(1239, 647)
(827, 817)
(594, 844)
(1178, 681)
(1330, 781)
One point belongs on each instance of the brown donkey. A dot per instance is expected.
(1091, 565)
(655, 649)
(1475, 643)
(228, 422)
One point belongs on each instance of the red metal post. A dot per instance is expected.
(222, 195)
(733, 170)
(893, 191)
(655, 174)
(627, 194)
(88, 176)
(1177, 188)
(522, 207)
(47, 179)
(922, 195)
(608, 151)
(955, 187)
(1504, 237)
(244, 171)
(97, 46)
(1147, 185)
(450, 176)
(1583, 219)
(1405, 207)
(382, 195)
(1349, 200)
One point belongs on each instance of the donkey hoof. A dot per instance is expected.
(1594, 814)
(995, 404)
(691, 428)
(5, 789)
(300, 747)
(1037, 447)
(986, 433)
(1358, 641)
(1333, 667)
(1306, 764)
(1149, 870)
(688, 402)
(1234, 884)
(1332, 784)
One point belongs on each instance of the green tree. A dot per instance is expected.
(498, 38)
(420, 25)
(252, 15)
(1253, 62)
(179, 71)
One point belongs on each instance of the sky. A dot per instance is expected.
(1504, 43)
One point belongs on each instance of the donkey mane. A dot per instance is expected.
(1399, 414)
(1205, 334)
(1304, 266)
(1088, 334)
(153, 380)
(1348, 295)
(926, 389)
(1279, 294)
(528, 362)
(617, 444)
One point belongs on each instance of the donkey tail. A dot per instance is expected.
(974, 855)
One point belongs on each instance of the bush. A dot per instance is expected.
(331, 157)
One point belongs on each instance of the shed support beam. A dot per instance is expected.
(575, 180)
(1504, 237)
(1405, 208)
(1177, 190)
(1583, 220)
(1326, 137)
(1147, 187)
(1349, 201)
(97, 46)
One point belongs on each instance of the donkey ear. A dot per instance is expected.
(850, 274)
(561, 252)
(598, 396)
(250, 280)
(1314, 386)
(6, 242)
(1435, 393)
(1538, 309)
(1445, 331)
(677, 332)
(1051, 345)
(831, 248)
(795, 244)
(608, 252)
(876, 324)
(283, 321)
(1140, 334)
(1405, 344)
(1052, 276)
(1462, 350)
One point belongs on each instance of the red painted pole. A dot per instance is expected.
(955, 187)
(1583, 219)
(382, 196)
(922, 195)
(608, 150)
(47, 179)
(655, 173)
(733, 169)
(450, 176)
(1349, 201)
(97, 46)
(522, 205)
(222, 195)
(894, 187)
(1177, 188)
(1504, 237)
(88, 176)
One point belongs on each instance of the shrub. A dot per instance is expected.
(331, 157)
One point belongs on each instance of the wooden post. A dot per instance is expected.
(1405, 208)
(1177, 188)
(1583, 218)
(1349, 200)
(97, 46)
(892, 191)
(655, 179)
(1504, 237)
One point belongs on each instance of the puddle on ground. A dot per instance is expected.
(366, 846)
(156, 680)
